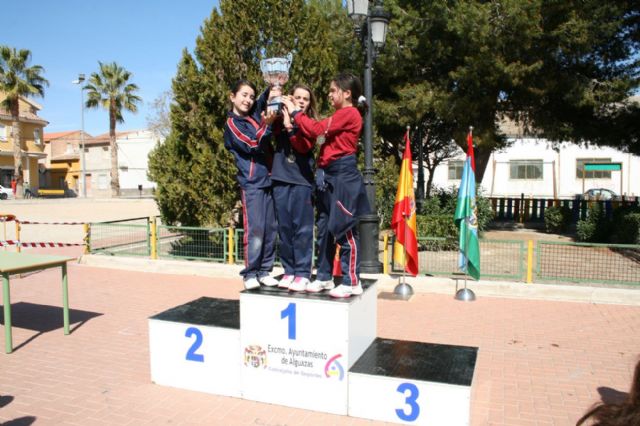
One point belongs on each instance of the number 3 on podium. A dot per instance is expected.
(290, 312)
(410, 400)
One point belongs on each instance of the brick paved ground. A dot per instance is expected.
(539, 363)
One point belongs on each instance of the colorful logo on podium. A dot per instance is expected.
(333, 368)
(255, 356)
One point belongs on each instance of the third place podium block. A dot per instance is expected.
(298, 348)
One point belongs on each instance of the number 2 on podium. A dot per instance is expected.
(290, 312)
(191, 353)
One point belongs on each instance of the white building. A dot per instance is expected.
(534, 168)
(133, 154)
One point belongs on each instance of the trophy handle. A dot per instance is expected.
(289, 59)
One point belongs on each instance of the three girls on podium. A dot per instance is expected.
(289, 184)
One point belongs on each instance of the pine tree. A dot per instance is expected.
(194, 172)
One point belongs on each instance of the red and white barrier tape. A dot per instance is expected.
(28, 222)
(47, 244)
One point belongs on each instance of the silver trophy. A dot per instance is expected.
(275, 71)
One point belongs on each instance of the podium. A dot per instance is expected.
(310, 351)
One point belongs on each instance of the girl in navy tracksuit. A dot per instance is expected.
(247, 134)
(292, 177)
(341, 196)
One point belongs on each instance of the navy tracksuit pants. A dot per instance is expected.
(259, 232)
(349, 245)
(294, 210)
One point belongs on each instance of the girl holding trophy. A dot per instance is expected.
(341, 196)
(247, 134)
(292, 177)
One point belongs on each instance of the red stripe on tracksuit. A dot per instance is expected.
(245, 224)
(353, 258)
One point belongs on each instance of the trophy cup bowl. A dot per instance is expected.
(275, 71)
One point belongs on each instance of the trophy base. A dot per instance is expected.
(275, 105)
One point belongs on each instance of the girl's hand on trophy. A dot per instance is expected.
(275, 92)
(269, 116)
(288, 103)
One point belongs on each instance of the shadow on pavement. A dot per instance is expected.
(45, 318)
(612, 396)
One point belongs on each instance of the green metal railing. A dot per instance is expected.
(503, 259)
(585, 262)
(549, 261)
(183, 242)
(130, 237)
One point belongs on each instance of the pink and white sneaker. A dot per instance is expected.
(344, 291)
(299, 284)
(285, 281)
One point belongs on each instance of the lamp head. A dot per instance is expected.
(379, 20)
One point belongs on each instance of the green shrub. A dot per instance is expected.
(596, 228)
(557, 219)
(627, 227)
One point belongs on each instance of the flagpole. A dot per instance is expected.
(466, 294)
(403, 289)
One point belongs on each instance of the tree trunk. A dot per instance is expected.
(113, 146)
(16, 133)
(482, 160)
(429, 183)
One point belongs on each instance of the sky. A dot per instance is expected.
(69, 37)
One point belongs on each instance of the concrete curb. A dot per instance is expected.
(386, 283)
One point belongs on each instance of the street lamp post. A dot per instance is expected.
(420, 194)
(83, 178)
(376, 22)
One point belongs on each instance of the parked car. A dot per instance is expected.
(5, 193)
(600, 194)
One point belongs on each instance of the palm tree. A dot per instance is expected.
(110, 89)
(18, 79)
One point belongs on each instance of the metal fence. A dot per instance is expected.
(129, 237)
(502, 259)
(192, 243)
(581, 262)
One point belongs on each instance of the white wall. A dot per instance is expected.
(497, 181)
(133, 159)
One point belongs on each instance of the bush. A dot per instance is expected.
(436, 219)
(596, 227)
(627, 227)
(557, 219)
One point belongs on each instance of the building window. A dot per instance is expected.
(36, 137)
(102, 181)
(455, 170)
(3, 132)
(592, 174)
(69, 148)
(525, 169)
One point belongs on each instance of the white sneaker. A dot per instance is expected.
(318, 285)
(344, 291)
(299, 284)
(269, 281)
(251, 283)
(286, 281)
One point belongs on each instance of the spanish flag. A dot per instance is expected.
(403, 221)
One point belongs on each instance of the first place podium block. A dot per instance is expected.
(298, 348)
(196, 346)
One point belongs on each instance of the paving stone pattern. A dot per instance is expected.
(539, 362)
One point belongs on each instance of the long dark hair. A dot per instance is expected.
(618, 414)
(348, 81)
(311, 109)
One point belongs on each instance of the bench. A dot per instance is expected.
(51, 193)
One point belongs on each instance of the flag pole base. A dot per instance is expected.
(465, 294)
(403, 291)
